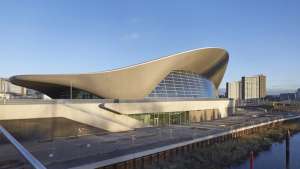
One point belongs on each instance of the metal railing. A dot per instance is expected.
(23, 151)
(66, 101)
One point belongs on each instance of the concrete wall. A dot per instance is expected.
(92, 114)
(204, 115)
(88, 113)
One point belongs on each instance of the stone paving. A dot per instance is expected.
(67, 152)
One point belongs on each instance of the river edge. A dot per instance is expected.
(232, 152)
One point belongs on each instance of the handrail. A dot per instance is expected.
(26, 154)
(63, 101)
(102, 105)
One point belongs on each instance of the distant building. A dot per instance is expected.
(254, 87)
(11, 91)
(234, 90)
(272, 98)
(262, 86)
(287, 96)
(298, 94)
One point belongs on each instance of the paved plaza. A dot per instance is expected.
(65, 152)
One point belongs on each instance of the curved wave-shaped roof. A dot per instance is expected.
(133, 82)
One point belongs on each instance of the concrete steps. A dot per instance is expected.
(86, 113)
(95, 111)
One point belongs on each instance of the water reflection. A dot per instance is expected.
(275, 158)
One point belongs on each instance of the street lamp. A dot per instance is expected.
(71, 90)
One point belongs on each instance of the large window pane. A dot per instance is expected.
(184, 84)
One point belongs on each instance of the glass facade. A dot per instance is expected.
(77, 94)
(184, 84)
(162, 118)
(177, 118)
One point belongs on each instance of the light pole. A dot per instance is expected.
(71, 90)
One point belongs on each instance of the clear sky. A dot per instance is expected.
(72, 36)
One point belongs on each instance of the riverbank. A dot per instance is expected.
(232, 152)
(135, 149)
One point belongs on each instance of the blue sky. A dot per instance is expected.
(71, 36)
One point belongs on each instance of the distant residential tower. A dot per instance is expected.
(250, 87)
(253, 87)
(234, 90)
(298, 94)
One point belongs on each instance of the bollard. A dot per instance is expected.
(287, 149)
(132, 139)
(251, 160)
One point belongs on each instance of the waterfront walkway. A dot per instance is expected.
(102, 149)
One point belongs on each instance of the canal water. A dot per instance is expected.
(274, 158)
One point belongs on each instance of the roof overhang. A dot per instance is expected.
(133, 82)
